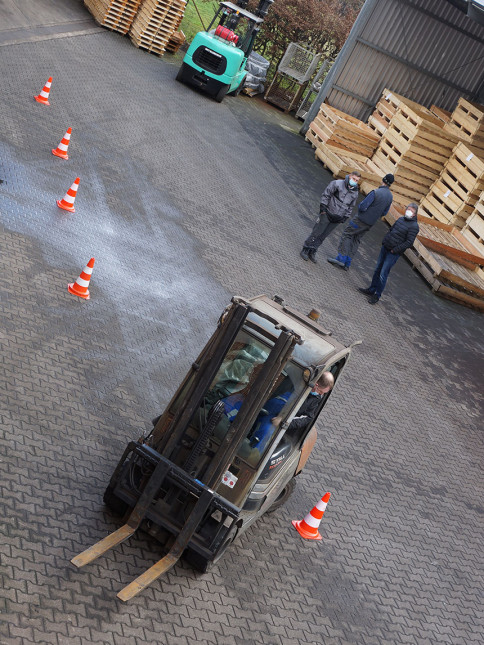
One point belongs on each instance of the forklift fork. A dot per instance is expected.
(134, 520)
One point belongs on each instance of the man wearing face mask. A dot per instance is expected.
(399, 238)
(335, 207)
(375, 205)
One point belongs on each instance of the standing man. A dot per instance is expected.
(375, 205)
(399, 238)
(335, 207)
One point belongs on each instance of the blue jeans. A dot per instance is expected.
(383, 266)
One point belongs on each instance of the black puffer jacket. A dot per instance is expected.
(401, 236)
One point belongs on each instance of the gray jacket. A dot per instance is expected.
(338, 200)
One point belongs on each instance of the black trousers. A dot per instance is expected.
(320, 232)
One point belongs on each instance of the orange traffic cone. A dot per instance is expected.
(308, 527)
(43, 97)
(80, 286)
(61, 150)
(67, 202)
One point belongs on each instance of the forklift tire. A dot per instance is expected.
(237, 91)
(116, 505)
(180, 77)
(284, 495)
(221, 94)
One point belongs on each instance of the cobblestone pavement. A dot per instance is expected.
(184, 202)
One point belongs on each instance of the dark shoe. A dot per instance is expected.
(373, 299)
(305, 254)
(336, 262)
(312, 256)
(366, 291)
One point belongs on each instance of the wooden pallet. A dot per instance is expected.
(454, 194)
(447, 261)
(415, 148)
(175, 42)
(467, 122)
(116, 15)
(473, 229)
(343, 133)
(155, 26)
(440, 113)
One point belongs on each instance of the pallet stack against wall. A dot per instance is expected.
(467, 123)
(473, 229)
(414, 148)
(116, 15)
(447, 260)
(155, 24)
(389, 102)
(452, 197)
(343, 143)
(343, 133)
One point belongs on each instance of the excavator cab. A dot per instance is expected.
(216, 458)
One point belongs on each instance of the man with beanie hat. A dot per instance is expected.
(399, 238)
(375, 205)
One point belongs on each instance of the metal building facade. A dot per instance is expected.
(427, 50)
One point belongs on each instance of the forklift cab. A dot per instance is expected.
(215, 460)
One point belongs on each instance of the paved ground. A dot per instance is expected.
(184, 202)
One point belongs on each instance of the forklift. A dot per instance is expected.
(216, 58)
(215, 460)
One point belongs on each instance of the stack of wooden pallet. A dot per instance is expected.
(467, 122)
(473, 229)
(155, 24)
(343, 133)
(380, 118)
(452, 197)
(116, 15)
(343, 143)
(447, 260)
(414, 147)
(175, 41)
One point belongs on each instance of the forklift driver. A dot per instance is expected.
(309, 408)
(268, 420)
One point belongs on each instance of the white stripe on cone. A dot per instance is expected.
(81, 282)
(313, 522)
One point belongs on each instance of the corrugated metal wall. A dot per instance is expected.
(427, 50)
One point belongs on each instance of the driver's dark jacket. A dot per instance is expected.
(306, 412)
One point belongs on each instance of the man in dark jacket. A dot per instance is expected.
(375, 205)
(309, 408)
(335, 207)
(399, 238)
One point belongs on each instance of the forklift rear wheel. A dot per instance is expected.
(237, 91)
(118, 506)
(283, 496)
(180, 77)
(221, 94)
